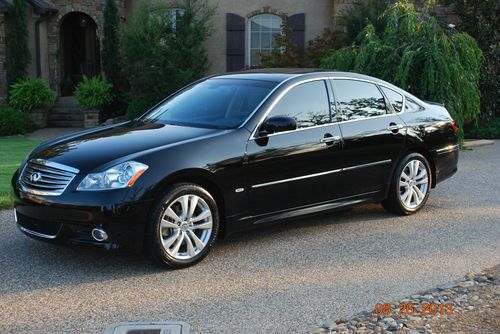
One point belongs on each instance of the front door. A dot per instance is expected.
(373, 135)
(79, 50)
(296, 168)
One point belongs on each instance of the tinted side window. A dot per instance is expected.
(395, 98)
(412, 106)
(358, 99)
(307, 103)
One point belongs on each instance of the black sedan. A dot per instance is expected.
(232, 152)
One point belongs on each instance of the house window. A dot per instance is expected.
(174, 14)
(263, 31)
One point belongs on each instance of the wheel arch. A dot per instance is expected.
(427, 154)
(199, 177)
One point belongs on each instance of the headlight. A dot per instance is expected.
(120, 176)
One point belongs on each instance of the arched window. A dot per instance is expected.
(263, 30)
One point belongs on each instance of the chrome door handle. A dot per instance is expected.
(395, 127)
(330, 139)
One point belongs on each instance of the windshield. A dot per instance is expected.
(214, 103)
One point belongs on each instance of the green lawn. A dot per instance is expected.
(13, 149)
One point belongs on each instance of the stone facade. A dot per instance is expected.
(92, 8)
(315, 16)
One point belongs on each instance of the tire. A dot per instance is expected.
(184, 210)
(408, 191)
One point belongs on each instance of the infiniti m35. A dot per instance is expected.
(235, 151)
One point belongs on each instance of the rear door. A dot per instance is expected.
(301, 167)
(373, 135)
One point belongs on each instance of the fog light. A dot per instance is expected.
(99, 234)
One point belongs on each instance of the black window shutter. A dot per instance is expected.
(298, 24)
(235, 42)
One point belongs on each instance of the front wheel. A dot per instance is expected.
(184, 226)
(410, 186)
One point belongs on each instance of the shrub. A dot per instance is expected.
(140, 104)
(161, 56)
(416, 54)
(17, 41)
(12, 121)
(30, 94)
(488, 128)
(93, 93)
(316, 48)
(285, 52)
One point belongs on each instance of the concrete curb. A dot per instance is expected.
(471, 143)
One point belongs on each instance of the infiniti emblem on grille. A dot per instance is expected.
(35, 177)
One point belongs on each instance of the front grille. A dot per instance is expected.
(38, 227)
(42, 177)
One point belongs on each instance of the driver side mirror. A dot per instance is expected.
(277, 124)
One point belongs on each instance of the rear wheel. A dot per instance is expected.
(410, 186)
(184, 226)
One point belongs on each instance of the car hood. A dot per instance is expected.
(90, 149)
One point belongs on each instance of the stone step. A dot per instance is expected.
(66, 102)
(66, 109)
(65, 117)
(65, 124)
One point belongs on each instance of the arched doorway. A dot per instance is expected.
(79, 50)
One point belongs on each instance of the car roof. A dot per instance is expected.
(279, 75)
(282, 74)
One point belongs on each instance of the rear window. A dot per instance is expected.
(214, 103)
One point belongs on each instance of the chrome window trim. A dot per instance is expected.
(376, 163)
(38, 234)
(403, 95)
(279, 97)
(264, 100)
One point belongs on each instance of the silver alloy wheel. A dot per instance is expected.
(413, 184)
(186, 227)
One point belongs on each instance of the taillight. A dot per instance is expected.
(455, 127)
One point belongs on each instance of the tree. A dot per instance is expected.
(363, 13)
(162, 52)
(481, 20)
(186, 54)
(19, 56)
(416, 54)
(144, 50)
(327, 42)
(112, 63)
(285, 52)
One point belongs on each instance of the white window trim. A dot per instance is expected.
(249, 34)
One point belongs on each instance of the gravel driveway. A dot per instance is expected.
(287, 278)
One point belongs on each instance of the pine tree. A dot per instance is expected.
(19, 56)
(111, 56)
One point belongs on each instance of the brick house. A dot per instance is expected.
(64, 35)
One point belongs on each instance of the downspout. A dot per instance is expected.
(42, 18)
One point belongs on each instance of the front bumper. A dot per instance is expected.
(59, 221)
